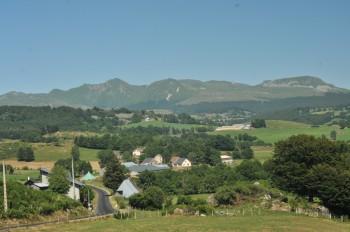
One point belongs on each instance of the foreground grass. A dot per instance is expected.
(271, 222)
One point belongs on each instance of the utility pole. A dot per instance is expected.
(73, 178)
(89, 207)
(4, 183)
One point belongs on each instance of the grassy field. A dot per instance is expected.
(278, 130)
(22, 175)
(262, 153)
(266, 223)
(47, 152)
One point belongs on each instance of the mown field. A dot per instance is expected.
(47, 152)
(278, 130)
(271, 222)
(262, 153)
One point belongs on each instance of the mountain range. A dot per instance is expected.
(186, 94)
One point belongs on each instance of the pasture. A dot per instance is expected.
(163, 124)
(273, 221)
(278, 130)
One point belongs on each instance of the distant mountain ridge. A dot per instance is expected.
(172, 93)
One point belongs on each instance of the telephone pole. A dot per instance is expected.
(4, 183)
(73, 178)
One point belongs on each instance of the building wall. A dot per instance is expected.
(44, 179)
(186, 163)
(71, 192)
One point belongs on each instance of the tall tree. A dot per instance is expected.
(59, 180)
(25, 154)
(75, 153)
(114, 175)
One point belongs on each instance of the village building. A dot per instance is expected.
(234, 127)
(135, 170)
(226, 159)
(157, 160)
(127, 188)
(36, 185)
(128, 164)
(180, 162)
(45, 183)
(137, 152)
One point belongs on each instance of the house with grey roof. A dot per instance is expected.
(139, 168)
(158, 159)
(127, 188)
(44, 184)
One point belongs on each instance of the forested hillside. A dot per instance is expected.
(31, 123)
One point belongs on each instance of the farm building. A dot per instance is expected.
(137, 169)
(127, 188)
(234, 127)
(45, 183)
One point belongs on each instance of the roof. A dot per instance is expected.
(127, 188)
(88, 176)
(147, 161)
(76, 182)
(179, 161)
(38, 184)
(128, 164)
(225, 157)
(153, 168)
(44, 171)
(41, 185)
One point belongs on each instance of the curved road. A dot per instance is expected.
(103, 204)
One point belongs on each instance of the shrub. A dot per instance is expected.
(152, 198)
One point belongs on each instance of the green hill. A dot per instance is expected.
(183, 94)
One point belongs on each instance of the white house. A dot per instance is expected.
(44, 184)
(180, 162)
(127, 188)
(137, 152)
(76, 188)
(226, 159)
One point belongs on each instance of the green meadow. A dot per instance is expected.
(269, 222)
(278, 130)
(156, 123)
(22, 175)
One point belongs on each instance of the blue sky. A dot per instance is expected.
(65, 43)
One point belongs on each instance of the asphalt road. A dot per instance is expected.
(103, 204)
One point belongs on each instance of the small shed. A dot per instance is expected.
(127, 188)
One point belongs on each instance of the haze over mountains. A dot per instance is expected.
(187, 95)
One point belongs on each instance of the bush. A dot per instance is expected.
(25, 154)
(25, 202)
(152, 198)
(123, 215)
(121, 202)
(225, 196)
